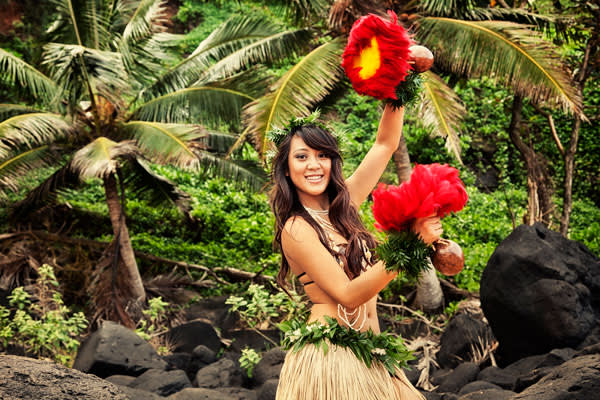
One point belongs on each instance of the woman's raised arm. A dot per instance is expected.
(301, 246)
(366, 176)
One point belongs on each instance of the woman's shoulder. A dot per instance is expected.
(297, 225)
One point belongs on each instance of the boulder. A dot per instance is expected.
(120, 380)
(576, 379)
(222, 373)
(139, 394)
(488, 394)
(463, 374)
(116, 350)
(199, 394)
(477, 386)
(269, 366)
(237, 393)
(505, 378)
(186, 337)
(178, 360)
(214, 311)
(462, 334)
(27, 378)
(163, 383)
(540, 291)
(268, 390)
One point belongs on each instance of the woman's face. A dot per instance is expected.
(309, 170)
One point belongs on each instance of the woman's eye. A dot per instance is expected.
(323, 155)
(300, 156)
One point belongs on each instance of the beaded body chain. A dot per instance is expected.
(352, 319)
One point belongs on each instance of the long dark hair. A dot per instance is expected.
(285, 203)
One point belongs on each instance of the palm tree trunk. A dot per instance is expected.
(402, 161)
(539, 187)
(117, 219)
(565, 218)
(429, 291)
(572, 149)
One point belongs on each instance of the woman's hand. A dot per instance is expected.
(429, 229)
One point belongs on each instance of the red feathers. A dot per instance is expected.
(432, 189)
(376, 56)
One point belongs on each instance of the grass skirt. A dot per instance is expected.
(312, 374)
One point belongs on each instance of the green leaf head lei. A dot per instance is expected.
(277, 134)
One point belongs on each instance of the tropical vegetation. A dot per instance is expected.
(133, 146)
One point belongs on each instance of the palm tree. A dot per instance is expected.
(110, 96)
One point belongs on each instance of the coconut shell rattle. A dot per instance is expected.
(448, 257)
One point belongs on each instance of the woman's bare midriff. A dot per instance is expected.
(319, 311)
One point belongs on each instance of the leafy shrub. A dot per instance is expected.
(248, 360)
(258, 308)
(152, 326)
(46, 327)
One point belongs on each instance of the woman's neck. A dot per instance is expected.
(315, 203)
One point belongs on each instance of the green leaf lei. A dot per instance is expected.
(366, 346)
(408, 90)
(276, 135)
(404, 251)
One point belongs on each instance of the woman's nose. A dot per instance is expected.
(313, 162)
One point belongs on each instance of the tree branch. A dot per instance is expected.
(552, 128)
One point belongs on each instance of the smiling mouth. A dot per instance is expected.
(314, 178)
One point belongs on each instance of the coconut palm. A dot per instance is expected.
(110, 95)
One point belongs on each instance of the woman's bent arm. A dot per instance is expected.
(301, 247)
(366, 176)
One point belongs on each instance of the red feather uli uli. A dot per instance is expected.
(376, 56)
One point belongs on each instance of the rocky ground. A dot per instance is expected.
(536, 336)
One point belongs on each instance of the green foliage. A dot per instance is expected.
(259, 308)
(484, 222)
(154, 318)
(585, 225)
(248, 360)
(46, 327)
(451, 309)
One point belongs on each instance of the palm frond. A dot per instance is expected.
(16, 164)
(168, 143)
(447, 8)
(76, 67)
(46, 192)
(268, 49)
(101, 157)
(18, 73)
(144, 42)
(442, 110)
(518, 15)
(145, 21)
(142, 182)
(302, 11)
(82, 22)
(212, 103)
(242, 41)
(306, 83)
(96, 26)
(30, 130)
(10, 110)
(219, 142)
(242, 172)
(507, 51)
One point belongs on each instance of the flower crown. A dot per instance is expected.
(276, 135)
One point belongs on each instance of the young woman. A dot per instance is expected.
(325, 245)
